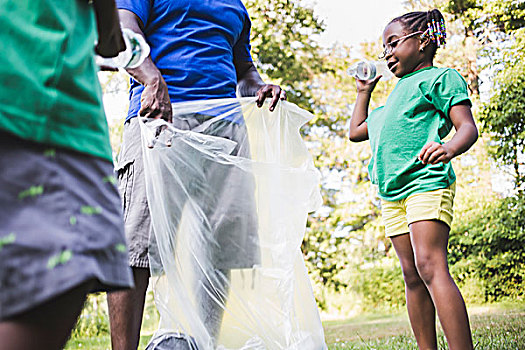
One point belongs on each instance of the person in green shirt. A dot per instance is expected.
(411, 166)
(61, 228)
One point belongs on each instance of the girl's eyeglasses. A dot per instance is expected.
(390, 47)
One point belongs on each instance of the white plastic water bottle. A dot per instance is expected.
(368, 70)
(137, 49)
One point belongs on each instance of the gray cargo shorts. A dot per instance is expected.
(238, 244)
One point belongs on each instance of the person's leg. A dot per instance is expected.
(46, 327)
(127, 307)
(430, 241)
(224, 204)
(125, 312)
(421, 310)
(213, 292)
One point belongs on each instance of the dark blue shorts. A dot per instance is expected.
(60, 224)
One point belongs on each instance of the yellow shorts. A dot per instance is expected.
(432, 205)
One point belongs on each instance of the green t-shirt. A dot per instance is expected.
(49, 91)
(415, 113)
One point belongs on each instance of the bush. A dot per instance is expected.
(380, 284)
(93, 321)
(489, 246)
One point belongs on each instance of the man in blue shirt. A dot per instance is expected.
(200, 50)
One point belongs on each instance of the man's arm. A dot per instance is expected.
(155, 100)
(110, 40)
(250, 83)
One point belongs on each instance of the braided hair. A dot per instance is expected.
(431, 23)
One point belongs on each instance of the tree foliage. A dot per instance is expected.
(503, 115)
(489, 246)
(499, 26)
(503, 118)
(284, 45)
(347, 232)
(502, 15)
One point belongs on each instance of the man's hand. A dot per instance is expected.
(270, 90)
(434, 152)
(155, 101)
(250, 83)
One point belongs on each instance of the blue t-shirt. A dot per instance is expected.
(194, 44)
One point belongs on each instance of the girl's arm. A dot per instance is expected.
(358, 126)
(110, 41)
(465, 136)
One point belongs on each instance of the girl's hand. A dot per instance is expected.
(434, 152)
(465, 136)
(367, 86)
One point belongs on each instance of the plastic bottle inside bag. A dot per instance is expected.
(368, 70)
(135, 53)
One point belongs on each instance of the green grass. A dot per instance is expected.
(495, 327)
(101, 343)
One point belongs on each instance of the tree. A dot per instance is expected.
(458, 16)
(346, 232)
(484, 20)
(284, 46)
(503, 115)
(498, 25)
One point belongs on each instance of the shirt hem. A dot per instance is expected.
(41, 135)
(421, 188)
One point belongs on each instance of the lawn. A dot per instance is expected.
(495, 327)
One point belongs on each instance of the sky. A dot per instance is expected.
(354, 21)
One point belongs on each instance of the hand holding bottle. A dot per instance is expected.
(135, 53)
(368, 70)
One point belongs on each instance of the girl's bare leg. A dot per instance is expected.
(430, 240)
(421, 311)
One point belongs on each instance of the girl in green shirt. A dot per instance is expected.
(411, 166)
(61, 228)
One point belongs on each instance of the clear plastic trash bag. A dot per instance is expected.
(229, 187)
